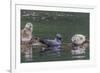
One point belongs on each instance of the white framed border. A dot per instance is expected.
(16, 66)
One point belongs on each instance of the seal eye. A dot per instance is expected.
(30, 26)
(81, 38)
